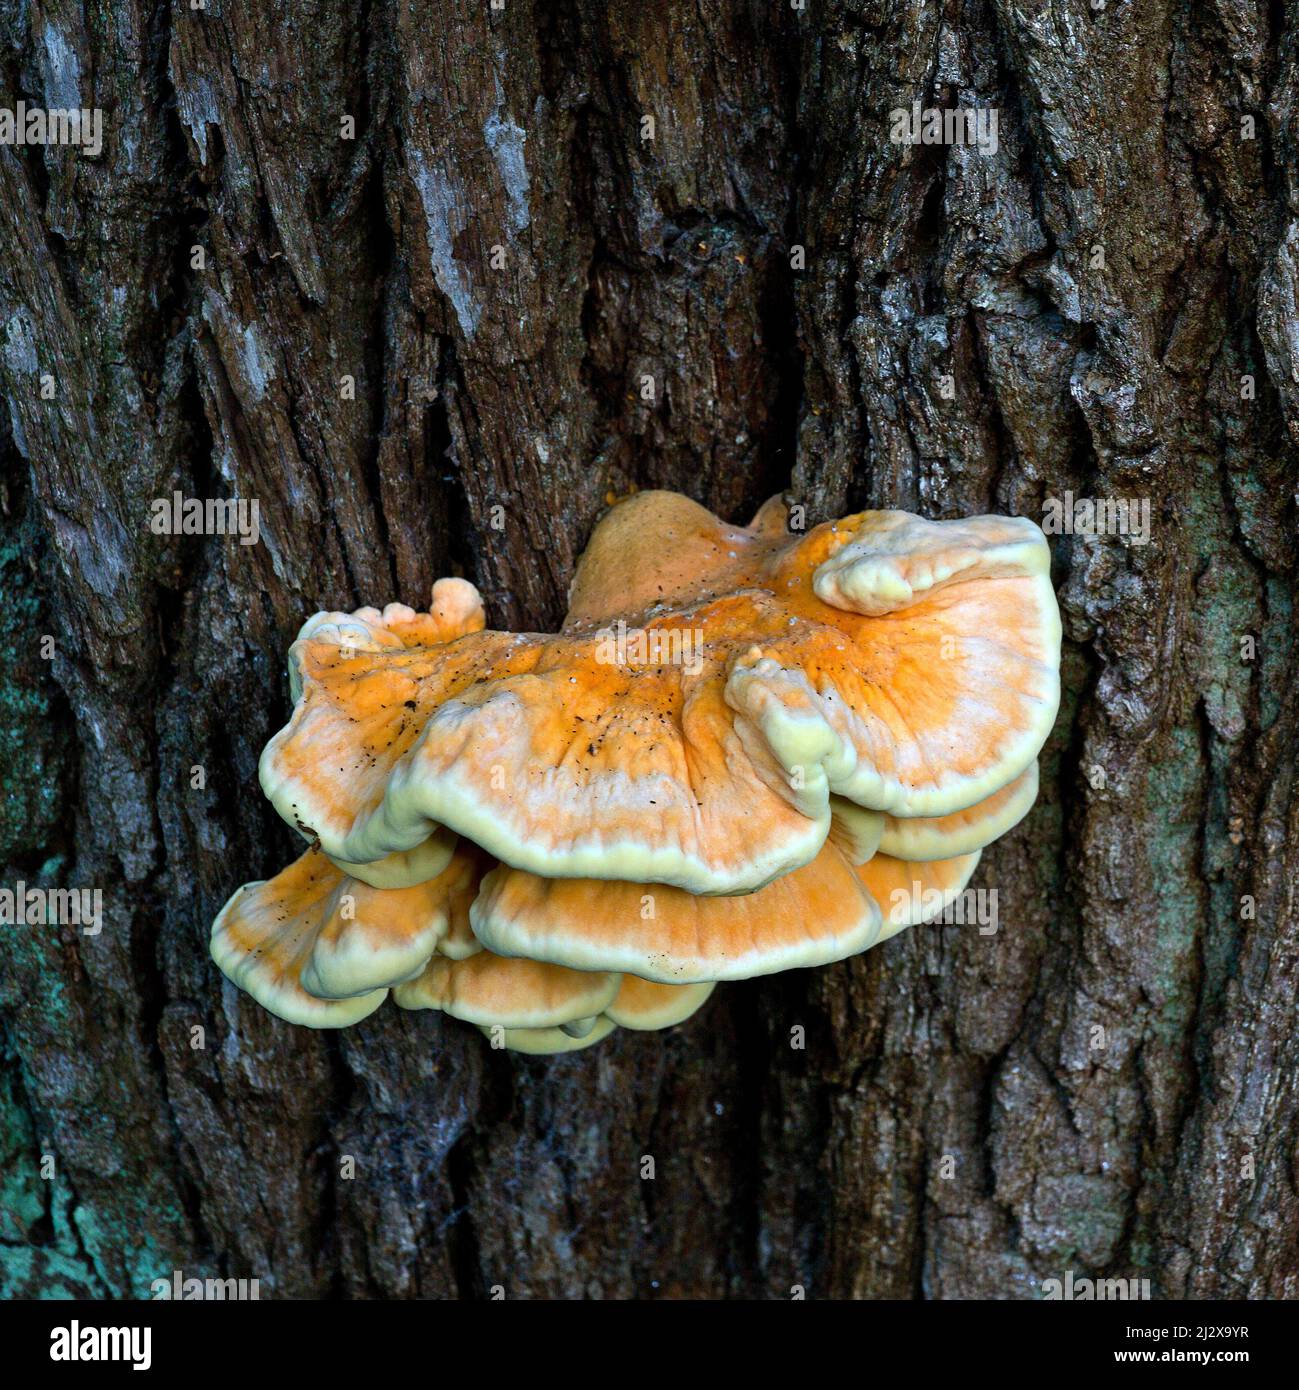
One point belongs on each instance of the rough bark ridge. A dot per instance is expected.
(496, 260)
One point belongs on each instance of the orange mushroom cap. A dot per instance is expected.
(646, 1006)
(455, 609)
(660, 551)
(909, 666)
(405, 867)
(487, 989)
(815, 914)
(316, 947)
(944, 837)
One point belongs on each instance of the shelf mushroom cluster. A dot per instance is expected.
(747, 750)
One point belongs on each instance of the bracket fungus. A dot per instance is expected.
(746, 750)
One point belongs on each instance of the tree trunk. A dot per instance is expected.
(429, 349)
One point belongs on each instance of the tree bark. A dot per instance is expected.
(498, 259)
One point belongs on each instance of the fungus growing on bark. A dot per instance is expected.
(745, 751)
